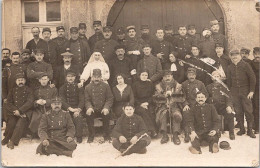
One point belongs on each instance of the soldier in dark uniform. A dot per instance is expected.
(56, 131)
(121, 65)
(107, 45)
(97, 36)
(161, 48)
(42, 103)
(245, 54)
(130, 130)
(25, 57)
(51, 54)
(218, 37)
(82, 31)
(98, 102)
(6, 61)
(60, 72)
(19, 101)
(207, 44)
(73, 101)
(61, 41)
(241, 80)
(120, 33)
(79, 48)
(192, 34)
(133, 46)
(145, 34)
(37, 68)
(169, 35)
(255, 64)
(204, 123)
(9, 74)
(182, 43)
(220, 97)
(190, 88)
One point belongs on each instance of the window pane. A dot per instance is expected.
(53, 11)
(31, 11)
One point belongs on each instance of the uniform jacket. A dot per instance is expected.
(134, 44)
(203, 119)
(46, 93)
(222, 61)
(8, 77)
(255, 66)
(71, 96)
(164, 47)
(61, 48)
(190, 89)
(21, 99)
(93, 39)
(51, 55)
(31, 45)
(107, 48)
(129, 127)
(153, 65)
(221, 39)
(182, 44)
(98, 96)
(6, 62)
(207, 47)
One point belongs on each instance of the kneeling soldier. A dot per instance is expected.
(19, 101)
(73, 100)
(130, 130)
(56, 131)
(203, 123)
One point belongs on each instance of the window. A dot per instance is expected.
(53, 11)
(31, 11)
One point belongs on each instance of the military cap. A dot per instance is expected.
(256, 49)
(213, 22)
(42, 75)
(74, 30)
(195, 45)
(191, 70)
(120, 30)
(98, 22)
(244, 50)
(19, 75)
(191, 27)
(56, 100)
(82, 26)
(167, 72)
(60, 27)
(71, 72)
(67, 53)
(130, 27)
(96, 73)
(38, 50)
(182, 25)
(107, 28)
(120, 46)
(224, 145)
(219, 45)
(206, 28)
(168, 27)
(46, 29)
(146, 45)
(234, 52)
(25, 51)
(144, 27)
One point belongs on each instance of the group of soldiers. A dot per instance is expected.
(168, 84)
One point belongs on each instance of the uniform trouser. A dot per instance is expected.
(256, 110)
(242, 106)
(228, 118)
(142, 143)
(78, 122)
(204, 137)
(15, 128)
(162, 116)
(148, 117)
(90, 122)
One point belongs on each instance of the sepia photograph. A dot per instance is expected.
(130, 83)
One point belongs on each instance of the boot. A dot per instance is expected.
(187, 137)
(176, 139)
(242, 130)
(231, 135)
(165, 138)
(5, 141)
(10, 145)
(90, 139)
(250, 133)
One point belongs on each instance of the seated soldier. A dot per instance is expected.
(169, 98)
(56, 131)
(203, 123)
(220, 97)
(19, 101)
(130, 130)
(73, 100)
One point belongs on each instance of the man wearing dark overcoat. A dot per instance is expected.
(97, 26)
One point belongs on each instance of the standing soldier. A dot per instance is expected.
(79, 48)
(145, 34)
(19, 101)
(42, 103)
(61, 41)
(245, 54)
(37, 68)
(192, 34)
(107, 45)
(36, 42)
(98, 102)
(73, 101)
(51, 54)
(161, 48)
(207, 44)
(82, 32)
(97, 36)
(169, 35)
(120, 33)
(25, 57)
(190, 88)
(241, 80)
(6, 61)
